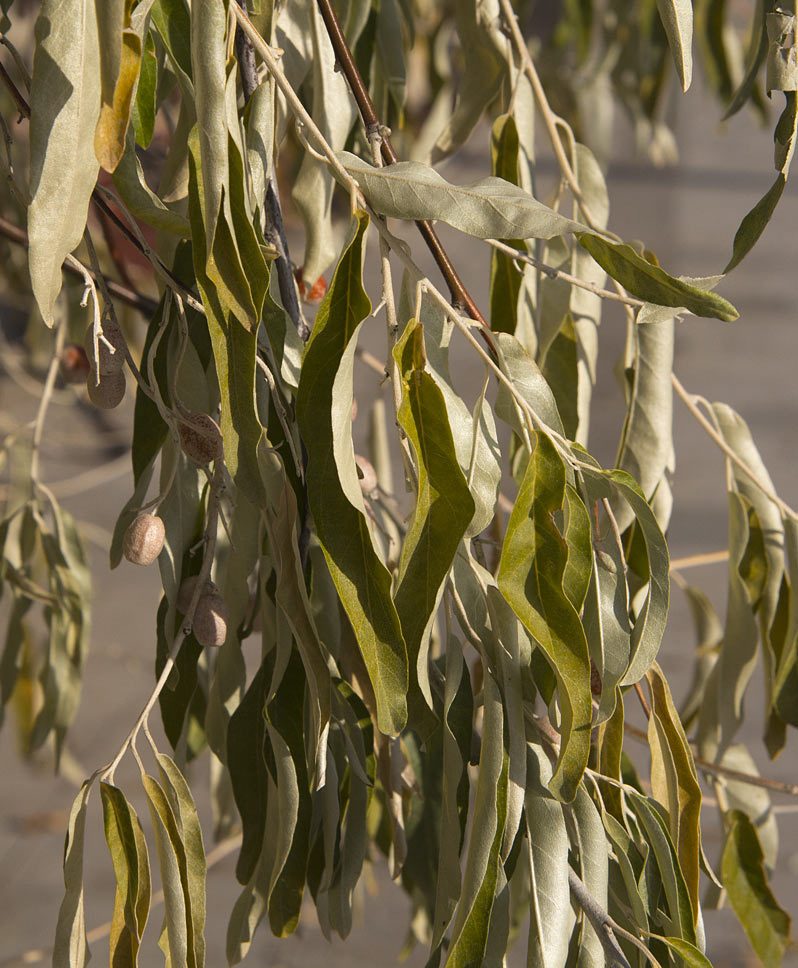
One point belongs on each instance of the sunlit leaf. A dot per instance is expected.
(743, 875)
(65, 106)
(538, 598)
(70, 948)
(677, 18)
(489, 208)
(647, 281)
(362, 580)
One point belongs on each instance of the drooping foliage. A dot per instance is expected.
(452, 626)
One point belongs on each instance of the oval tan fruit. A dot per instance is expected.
(186, 592)
(210, 619)
(109, 392)
(112, 360)
(144, 539)
(200, 438)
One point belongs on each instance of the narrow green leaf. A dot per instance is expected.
(480, 879)
(550, 908)
(129, 181)
(677, 19)
(292, 597)
(680, 912)
(70, 948)
(647, 447)
(490, 208)
(179, 871)
(691, 955)
(757, 48)
(647, 281)
(535, 592)
(128, 849)
(142, 115)
(529, 381)
(754, 223)
(674, 781)
(65, 105)
(743, 876)
(590, 845)
(444, 509)
(362, 580)
(505, 273)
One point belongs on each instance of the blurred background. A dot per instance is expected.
(687, 213)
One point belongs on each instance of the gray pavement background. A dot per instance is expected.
(688, 216)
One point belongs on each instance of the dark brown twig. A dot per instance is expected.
(274, 225)
(460, 297)
(124, 294)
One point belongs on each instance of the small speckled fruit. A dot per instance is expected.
(143, 539)
(200, 438)
(210, 619)
(367, 475)
(108, 393)
(110, 362)
(186, 592)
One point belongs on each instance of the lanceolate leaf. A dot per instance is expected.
(132, 869)
(70, 949)
(674, 781)
(647, 281)
(184, 908)
(489, 208)
(65, 105)
(550, 911)
(444, 506)
(505, 273)
(677, 18)
(362, 580)
(470, 931)
(743, 876)
(531, 570)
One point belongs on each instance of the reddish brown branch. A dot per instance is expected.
(459, 294)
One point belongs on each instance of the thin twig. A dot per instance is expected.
(554, 273)
(695, 561)
(125, 294)
(645, 706)
(459, 294)
(211, 527)
(44, 403)
(727, 450)
(601, 922)
(777, 786)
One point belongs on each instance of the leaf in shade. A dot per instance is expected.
(536, 595)
(674, 781)
(362, 580)
(647, 281)
(743, 876)
(129, 181)
(550, 911)
(480, 878)
(757, 48)
(754, 223)
(120, 61)
(482, 43)
(590, 845)
(142, 114)
(505, 273)
(333, 109)
(785, 689)
(128, 849)
(488, 209)
(182, 877)
(444, 509)
(65, 105)
(70, 948)
(646, 450)
(679, 909)
(677, 19)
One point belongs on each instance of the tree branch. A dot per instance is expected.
(130, 297)
(600, 921)
(459, 294)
